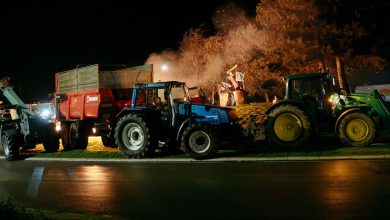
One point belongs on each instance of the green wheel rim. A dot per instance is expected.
(288, 127)
(357, 129)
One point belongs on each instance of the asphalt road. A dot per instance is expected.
(225, 190)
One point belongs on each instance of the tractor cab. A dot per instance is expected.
(310, 87)
(161, 98)
(313, 91)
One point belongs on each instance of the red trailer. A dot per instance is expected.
(89, 97)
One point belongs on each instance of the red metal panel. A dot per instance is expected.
(92, 102)
(76, 106)
(86, 104)
(64, 109)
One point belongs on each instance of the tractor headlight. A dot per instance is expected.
(334, 99)
(337, 99)
(45, 113)
(58, 126)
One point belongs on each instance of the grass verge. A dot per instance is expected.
(325, 147)
(10, 210)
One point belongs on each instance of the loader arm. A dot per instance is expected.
(13, 98)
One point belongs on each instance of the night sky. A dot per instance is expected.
(40, 38)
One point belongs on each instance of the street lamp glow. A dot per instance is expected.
(164, 67)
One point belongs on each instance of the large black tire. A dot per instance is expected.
(51, 142)
(133, 136)
(10, 144)
(199, 141)
(108, 141)
(65, 136)
(78, 135)
(288, 126)
(356, 129)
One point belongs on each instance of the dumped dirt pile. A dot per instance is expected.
(251, 113)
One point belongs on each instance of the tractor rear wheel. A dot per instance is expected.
(198, 141)
(356, 129)
(288, 126)
(133, 136)
(50, 139)
(78, 135)
(65, 136)
(10, 144)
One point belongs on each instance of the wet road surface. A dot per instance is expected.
(224, 190)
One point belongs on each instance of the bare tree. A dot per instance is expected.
(286, 37)
(310, 39)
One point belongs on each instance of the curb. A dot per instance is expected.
(228, 159)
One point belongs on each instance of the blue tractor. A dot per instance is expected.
(162, 114)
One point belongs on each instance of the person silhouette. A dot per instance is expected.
(157, 102)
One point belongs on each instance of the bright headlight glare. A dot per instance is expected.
(46, 112)
(58, 126)
(334, 99)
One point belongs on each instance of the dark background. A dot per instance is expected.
(40, 38)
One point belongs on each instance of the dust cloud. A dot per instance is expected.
(235, 41)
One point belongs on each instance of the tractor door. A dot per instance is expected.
(178, 94)
(162, 96)
(313, 93)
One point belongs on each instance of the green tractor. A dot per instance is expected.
(312, 107)
(21, 127)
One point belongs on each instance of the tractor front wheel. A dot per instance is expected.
(356, 129)
(288, 126)
(10, 144)
(65, 136)
(78, 135)
(198, 141)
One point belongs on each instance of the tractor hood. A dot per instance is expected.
(206, 113)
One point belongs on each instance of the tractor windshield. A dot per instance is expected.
(311, 87)
(179, 93)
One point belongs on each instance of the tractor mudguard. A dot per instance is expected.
(292, 102)
(181, 128)
(284, 102)
(310, 112)
(127, 110)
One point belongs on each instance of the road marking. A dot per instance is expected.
(35, 181)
